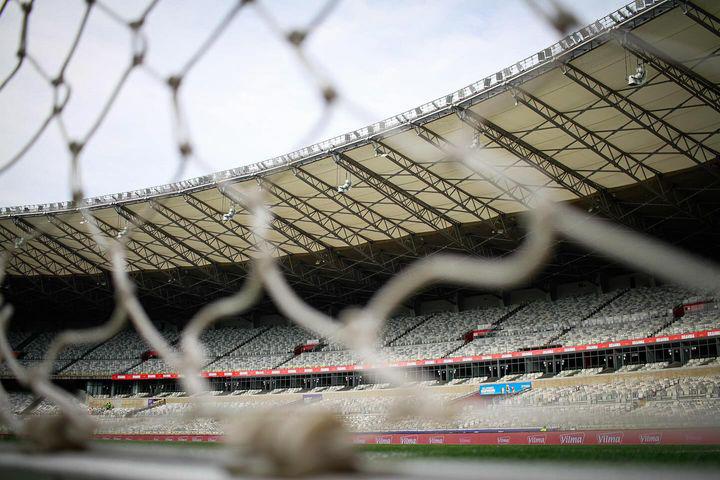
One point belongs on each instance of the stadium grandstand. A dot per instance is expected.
(618, 120)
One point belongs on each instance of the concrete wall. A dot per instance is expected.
(432, 306)
(270, 320)
(528, 295)
(480, 301)
(576, 289)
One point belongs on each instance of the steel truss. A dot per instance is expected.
(376, 222)
(688, 80)
(622, 161)
(680, 141)
(447, 227)
(703, 18)
(236, 229)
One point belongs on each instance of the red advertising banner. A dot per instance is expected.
(576, 437)
(698, 436)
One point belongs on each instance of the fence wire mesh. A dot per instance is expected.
(274, 438)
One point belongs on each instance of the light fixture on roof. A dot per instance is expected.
(345, 186)
(229, 215)
(638, 78)
(122, 233)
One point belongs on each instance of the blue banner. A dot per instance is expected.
(504, 388)
(312, 397)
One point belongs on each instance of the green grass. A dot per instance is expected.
(695, 455)
(666, 454)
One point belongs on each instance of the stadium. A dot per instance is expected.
(527, 261)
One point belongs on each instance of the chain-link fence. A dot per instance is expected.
(272, 437)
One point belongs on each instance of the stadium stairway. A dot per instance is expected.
(33, 405)
(592, 313)
(133, 366)
(392, 342)
(664, 326)
(447, 354)
(290, 357)
(495, 324)
(408, 330)
(21, 346)
(508, 315)
(239, 345)
(81, 357)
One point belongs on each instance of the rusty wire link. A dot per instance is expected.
(357, 328)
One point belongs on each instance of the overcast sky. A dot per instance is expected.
(248, 99)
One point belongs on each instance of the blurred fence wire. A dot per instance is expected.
(357, 328)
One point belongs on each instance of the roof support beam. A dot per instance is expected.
(190, 255)
(429, 215)
(462, 200)
(182, 251)
(324, 255)
(86, 240)
(218, 246)
(33, 271)
(685, 78)
(74, 259)
(703, 18)
(40, 260)
(80, 237)
(680, 141)
(284, 256)
(160, 262)
(353, 238)
(613, 155)
(511, 189)
(380, 224)
(551, 168)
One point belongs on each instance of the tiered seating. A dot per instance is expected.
(536, 325)
(322, 358)
(271, 348)
(694, 322)
(216, 342)
(219, 341)
(542, 316)
(504, 343)
(337, 354)
(248, 362)
(19, 401)
(605, 329)
(16, 337)
(634, 314)
(638, 313)
(419, 351)
(655, 301)
(114, 356)
(448, 326)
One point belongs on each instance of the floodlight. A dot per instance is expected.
(638, 78)
(345, 186)
(229, 215)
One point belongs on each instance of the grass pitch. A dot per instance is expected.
(696, 455)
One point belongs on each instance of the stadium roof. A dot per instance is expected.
(564, 118)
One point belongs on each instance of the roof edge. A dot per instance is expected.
(571, 46)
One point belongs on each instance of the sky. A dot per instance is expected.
(248, 98)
